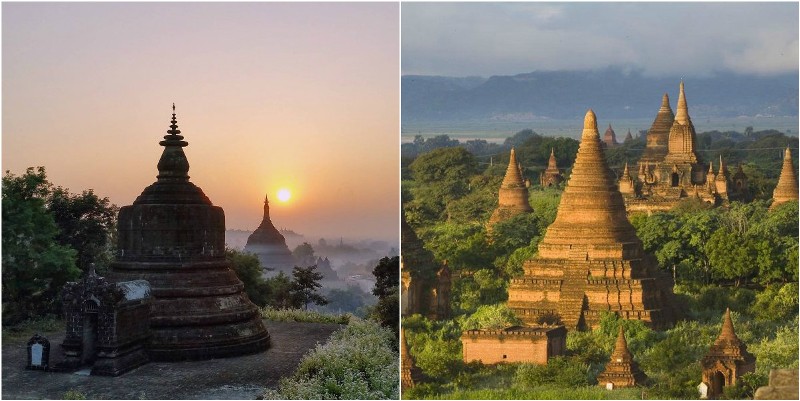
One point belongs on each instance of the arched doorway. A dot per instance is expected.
(675, 179)
(717, 383)
(89, 349)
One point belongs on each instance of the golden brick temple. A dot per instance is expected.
(621, 371)
(513, 199)
(786, 190)
(590, 259)
(670, 170)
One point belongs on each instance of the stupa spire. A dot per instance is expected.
(665, 104)
(513, 176)
(625, 171)
(551, 164)
(727, 326)
(592, 188)
(173, 165)
(621, 352)
(513, 194)
(682, 115)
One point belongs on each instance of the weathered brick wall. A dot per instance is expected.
(491, 351)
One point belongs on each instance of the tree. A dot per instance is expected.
(305, 285)
(248, 269)
(279, 290)
(35, 266)
(303, 251)
(87, 224)
(441, 176)
(387, 274)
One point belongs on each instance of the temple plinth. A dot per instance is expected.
(590, 259)
(513, 196)
(621, 371)
(786, 190)
(270, 245)
(174, 237)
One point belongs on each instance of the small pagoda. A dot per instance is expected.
(622, 371)
(610, 138)
(513, 196)
(726, 361)
(552, 175)
(786, 190)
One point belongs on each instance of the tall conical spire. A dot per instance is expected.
(513, 176)
(625, 173)
(682, 115)
(786, 190)
(665, 104)
(551, 164)
(593, 190)
(621, 352)
(727, 326)
(722, 174)
(266, 209)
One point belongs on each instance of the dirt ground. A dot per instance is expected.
(244, 377)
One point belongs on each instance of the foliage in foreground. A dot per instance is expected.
(358, 362)
(302, 315)
(27, 328)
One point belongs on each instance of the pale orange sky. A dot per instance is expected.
(302, 95)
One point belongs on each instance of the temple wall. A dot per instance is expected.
(499, 350)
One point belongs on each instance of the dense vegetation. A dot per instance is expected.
(359, 362)
(743, 257)
(49, 237)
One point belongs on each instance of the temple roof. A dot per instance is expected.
(786, 190)
(591, 211)
(682, 136)
(172, 185)
(621, 353)
(610, 137)
(728, 343)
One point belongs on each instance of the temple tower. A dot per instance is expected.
(721, 182)
(626, 182)
(621, 371)
(682, 137)
(610, 137)
(270, 245)
(628, 136)
(174, 237)
(552, 175)
(726, 361)
(786, 190)
(513, 197)
(658, 135)
(417, 273)
(590, 259)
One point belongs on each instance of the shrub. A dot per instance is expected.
(559, 371)
(358, 362)
(301, 315)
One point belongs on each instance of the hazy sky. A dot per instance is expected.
(303, 96)
(688, 39)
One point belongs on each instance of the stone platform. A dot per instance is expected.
(244, 377)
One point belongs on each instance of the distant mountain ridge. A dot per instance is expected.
(612, 93)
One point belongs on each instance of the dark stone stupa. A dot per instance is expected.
(174, 237)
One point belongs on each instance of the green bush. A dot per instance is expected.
(306, 316)
(358, 362)
(559, 372)
(496, 316)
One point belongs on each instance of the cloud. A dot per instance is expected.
(657, 38)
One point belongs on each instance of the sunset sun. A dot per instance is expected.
(284, 195)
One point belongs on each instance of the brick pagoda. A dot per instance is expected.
(786, 190)
(590, 259)
(270, 245)
(552, 175)
(513, 197)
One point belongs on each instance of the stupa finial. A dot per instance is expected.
(590, 125)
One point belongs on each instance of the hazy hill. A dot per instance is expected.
(611, 93)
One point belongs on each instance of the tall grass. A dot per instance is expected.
(305, 316)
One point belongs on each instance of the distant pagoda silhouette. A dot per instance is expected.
(269, 244)
(590, 260)
(174, 237)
